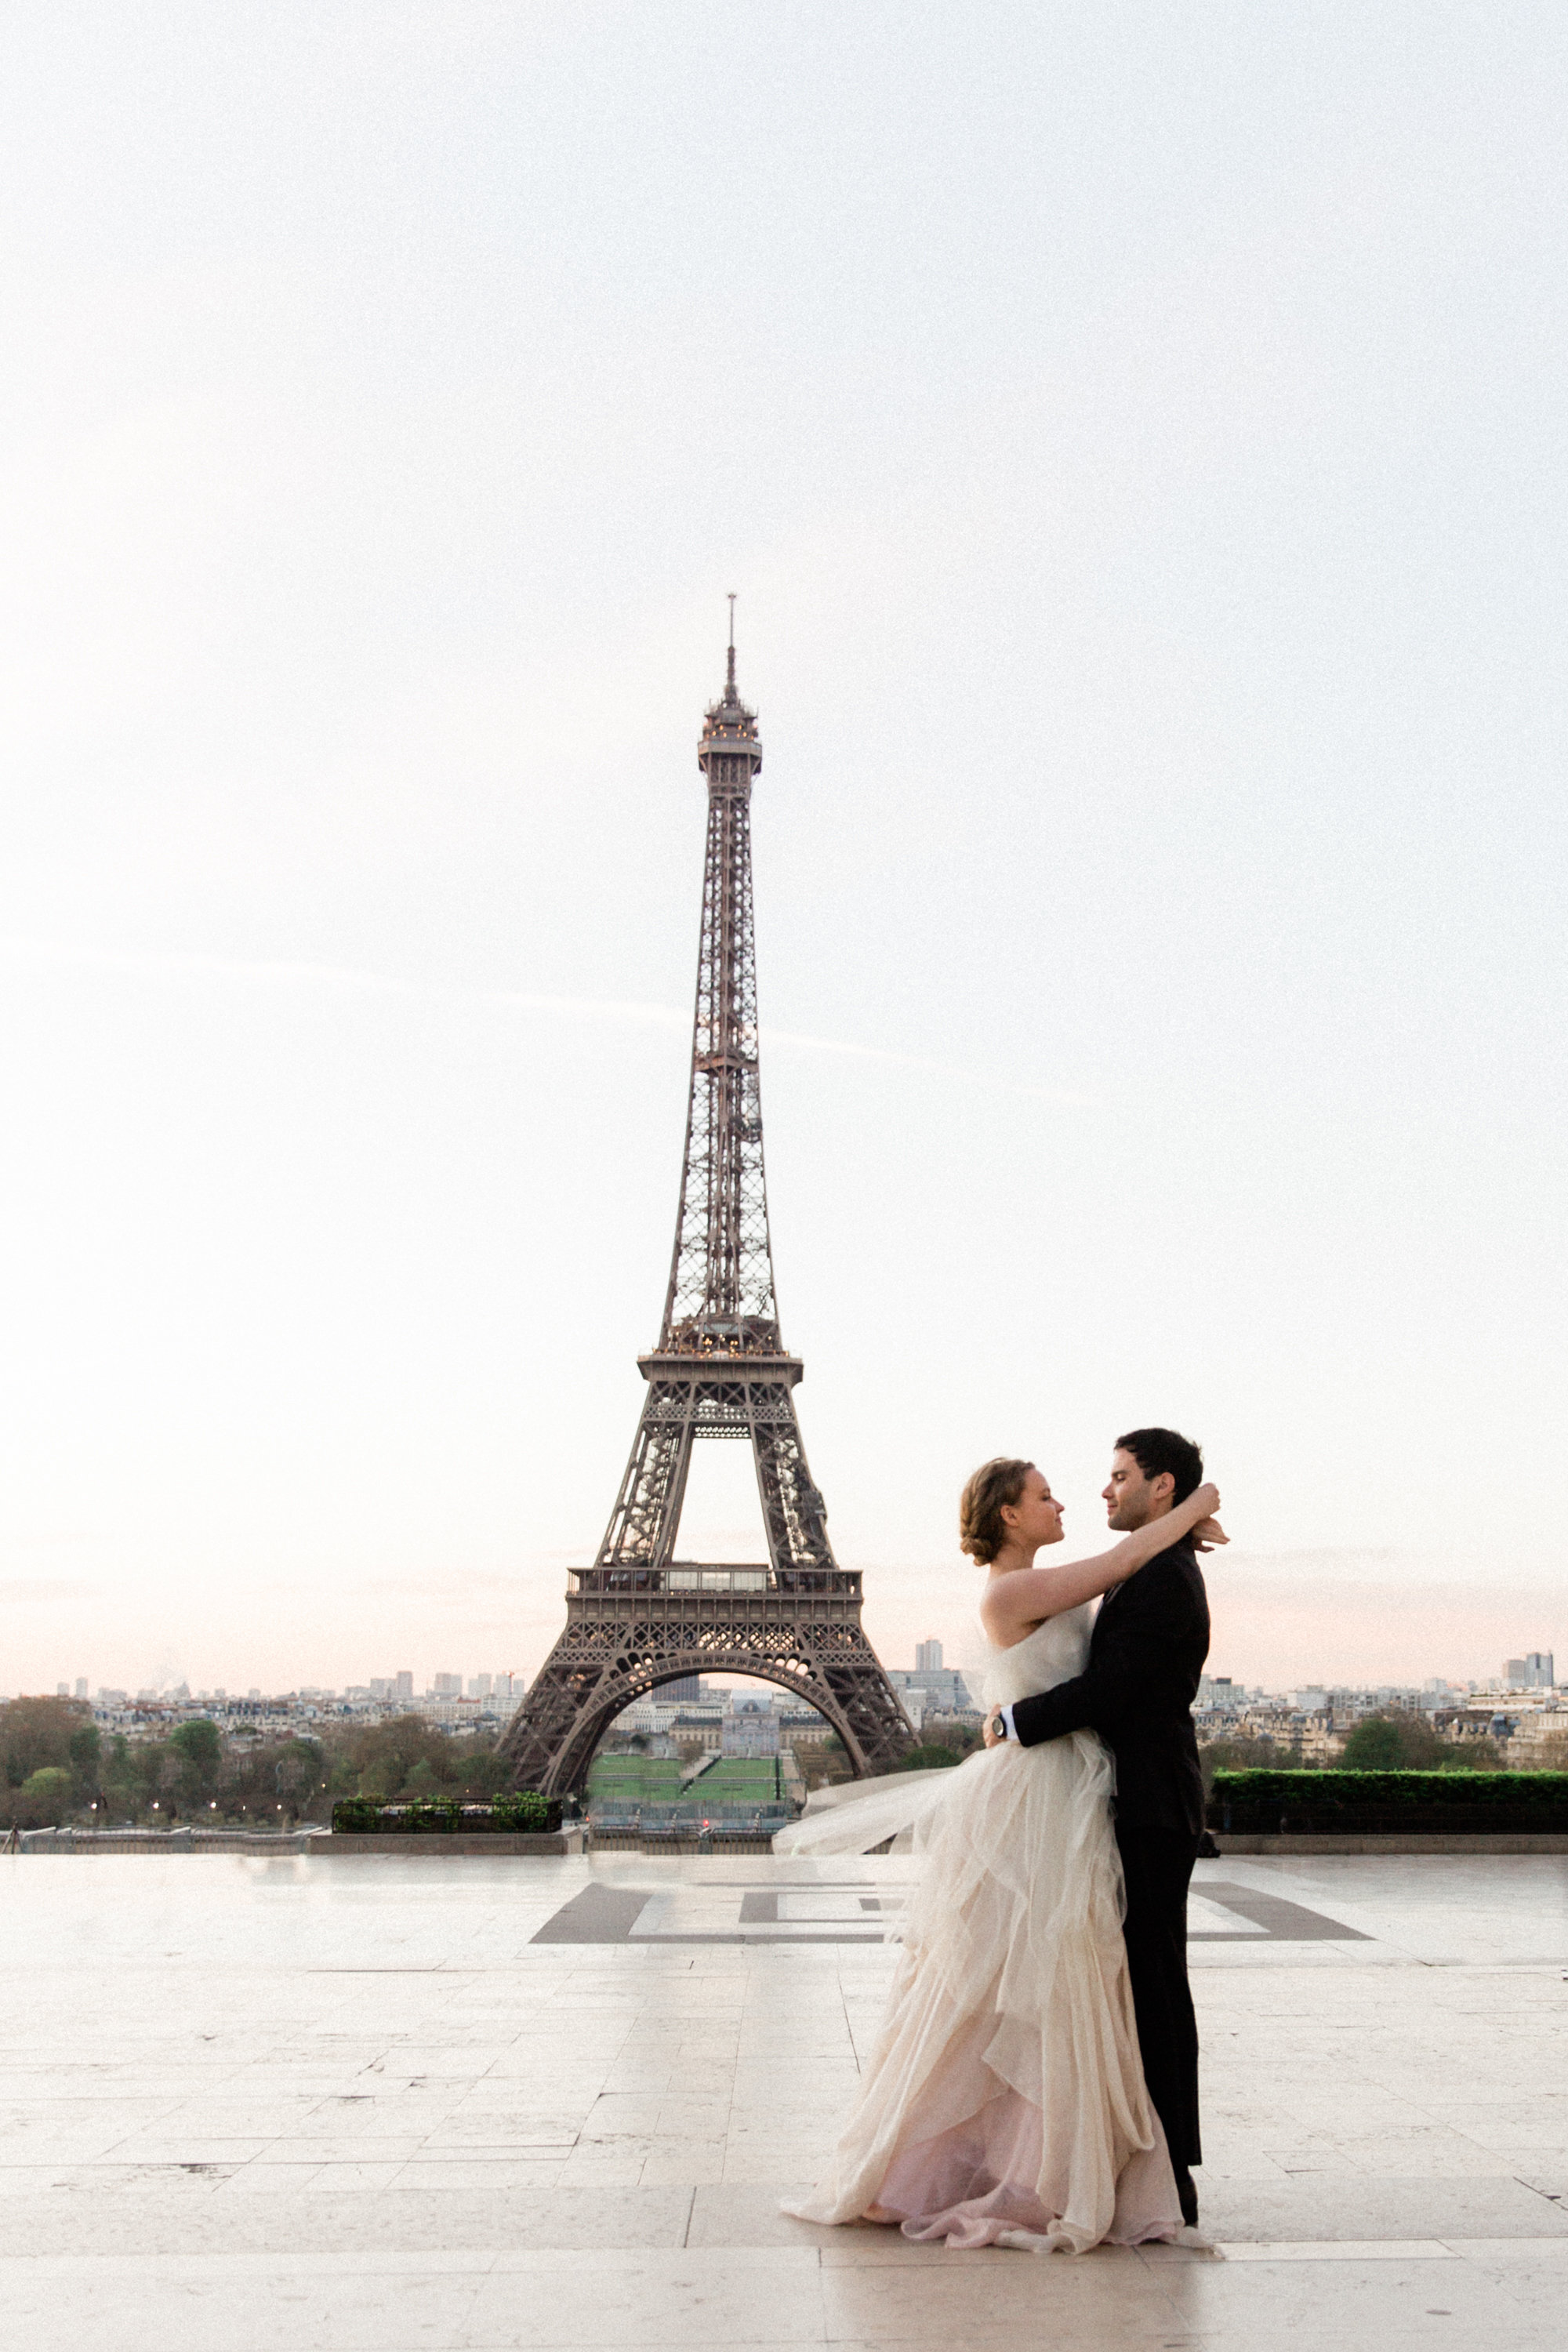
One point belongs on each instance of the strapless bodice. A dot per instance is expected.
(1052, 1654)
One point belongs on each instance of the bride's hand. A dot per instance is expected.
(1207, 1534)
(1207, 1495)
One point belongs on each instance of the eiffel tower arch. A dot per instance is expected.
(638, 1617)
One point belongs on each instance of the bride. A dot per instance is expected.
(1004, 2102)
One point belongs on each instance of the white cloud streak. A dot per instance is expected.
(181, 965)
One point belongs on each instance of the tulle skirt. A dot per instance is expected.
(1004, 2102)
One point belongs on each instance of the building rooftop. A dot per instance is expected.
(308, 2102)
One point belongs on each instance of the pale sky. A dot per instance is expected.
(1136, 436)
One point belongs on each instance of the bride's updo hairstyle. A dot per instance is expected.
(982, 1531)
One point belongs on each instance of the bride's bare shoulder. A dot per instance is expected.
(1005, 1632)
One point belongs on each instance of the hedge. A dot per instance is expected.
(1280, 1802)
(445, 1816)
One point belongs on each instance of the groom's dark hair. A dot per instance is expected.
(1155, 1450)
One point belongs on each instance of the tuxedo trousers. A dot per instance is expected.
(1157, 1865)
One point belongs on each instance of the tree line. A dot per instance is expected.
(1395, 1740)
(60, 1767)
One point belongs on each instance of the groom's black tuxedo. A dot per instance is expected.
(1145, 1656)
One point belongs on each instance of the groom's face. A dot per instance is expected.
(1131, 1499)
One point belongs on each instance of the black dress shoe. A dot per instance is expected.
(1188, 2192)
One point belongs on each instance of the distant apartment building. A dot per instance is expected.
(928, 1657)
(1462, 1723)
(454, 1714)
(1533, 1738)
(645, 1715)
(933, 1690)
(492, 1693)
(1316, 1739)
(1535, 1671)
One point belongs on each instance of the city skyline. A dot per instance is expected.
(1534, 1670)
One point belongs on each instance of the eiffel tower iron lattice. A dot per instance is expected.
(638, 1617)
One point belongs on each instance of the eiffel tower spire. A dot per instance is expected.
(722, 1275)
(638, 1617)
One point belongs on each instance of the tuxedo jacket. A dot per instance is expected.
(1145, 1656)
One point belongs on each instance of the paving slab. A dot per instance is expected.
(539, 2102)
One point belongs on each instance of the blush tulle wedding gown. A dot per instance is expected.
(1004, 2102)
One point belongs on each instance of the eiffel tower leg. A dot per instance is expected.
(875, 1730)
(647, 1509)
(793, 1512)
(582, 1686)
(538, 1742)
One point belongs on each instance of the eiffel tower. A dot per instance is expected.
(639, 1617)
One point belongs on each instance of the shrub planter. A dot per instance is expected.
(524, 1814)
(1390, 1804)
(522, 1824)
(493, 1846)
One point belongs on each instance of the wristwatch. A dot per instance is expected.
(999, 1722)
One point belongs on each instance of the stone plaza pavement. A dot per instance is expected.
(310, 2102)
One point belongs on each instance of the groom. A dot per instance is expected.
(1147, 1651)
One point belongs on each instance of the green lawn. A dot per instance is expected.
(739, 1781)
(656, 1780)
(634, 1781)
